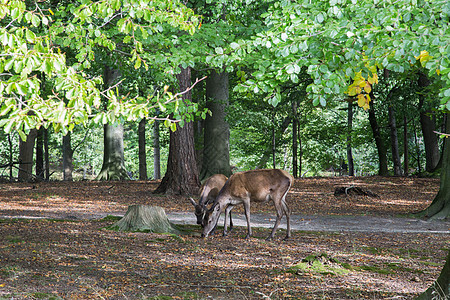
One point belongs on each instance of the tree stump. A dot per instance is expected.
(145, 218)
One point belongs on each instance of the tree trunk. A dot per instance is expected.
(351, 166)
(440, 207)
(46, 156)
(156, 152)
(405, 147)
(440, 289)
(67, 157)
(274, 142)
(142, 151)
(267, 153)
(145, 218)
(432, 153)
(26, 156)
(113, 167)
(10, 157)
(295, 139)
(40, 154)
(394, 141)
(181, 177)
(216, 142)
(381, 148)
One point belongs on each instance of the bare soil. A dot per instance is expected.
(54, 246)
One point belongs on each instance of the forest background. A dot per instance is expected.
(309, 87)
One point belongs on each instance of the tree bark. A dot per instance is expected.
(181, 177)
(394, 138)
(216, 142)
(26, 156)
(145, 218)
(440, 206)
(46, 156)
(267, 153)
(295, 140)
(440, 289)
(405, 147)
(142, 150)
(40, 154)
(113, 167)
(381, 148)
(67, 157)
(156, 152)
(351, 166)
(428, 125)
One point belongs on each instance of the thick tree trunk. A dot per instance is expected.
(351, 166)
(26, 149)
(381, 148)
(67, 157)
(156, 152)
(440, 207)
(40, 154)
(440, 289)
(432, 153)
(181, 177)
(142, 151)
(113, 167)
(145, 218)
(216, 142)
(394, 141)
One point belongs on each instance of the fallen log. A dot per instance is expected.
(354, 190)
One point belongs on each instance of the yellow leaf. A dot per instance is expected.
(372, 69)
(367, 88)
(438, 71)
(361, 100)
(423, 57)
(351, 90)
(373, 79)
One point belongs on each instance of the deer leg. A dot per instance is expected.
(231, 222)
(247, 217)
(279, 209)
(287, 212)
(225, 225)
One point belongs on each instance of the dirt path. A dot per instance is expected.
(299, 222)
(333, 223)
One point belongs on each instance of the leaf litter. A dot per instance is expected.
(61, 250)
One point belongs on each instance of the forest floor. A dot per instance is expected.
(54, 245)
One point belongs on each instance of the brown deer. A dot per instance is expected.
(208, 193)
(251, 186)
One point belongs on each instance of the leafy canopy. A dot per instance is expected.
(341, 43)
(34, 38)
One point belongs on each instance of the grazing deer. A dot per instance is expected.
(252, 186)
(208, 193)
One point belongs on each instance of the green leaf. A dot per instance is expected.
(219, 50)
(234, 45)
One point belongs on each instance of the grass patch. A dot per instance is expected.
(320, 264)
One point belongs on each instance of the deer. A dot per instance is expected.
(251, 186)
(208, 193)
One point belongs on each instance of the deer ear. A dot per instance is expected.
(192, 201)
